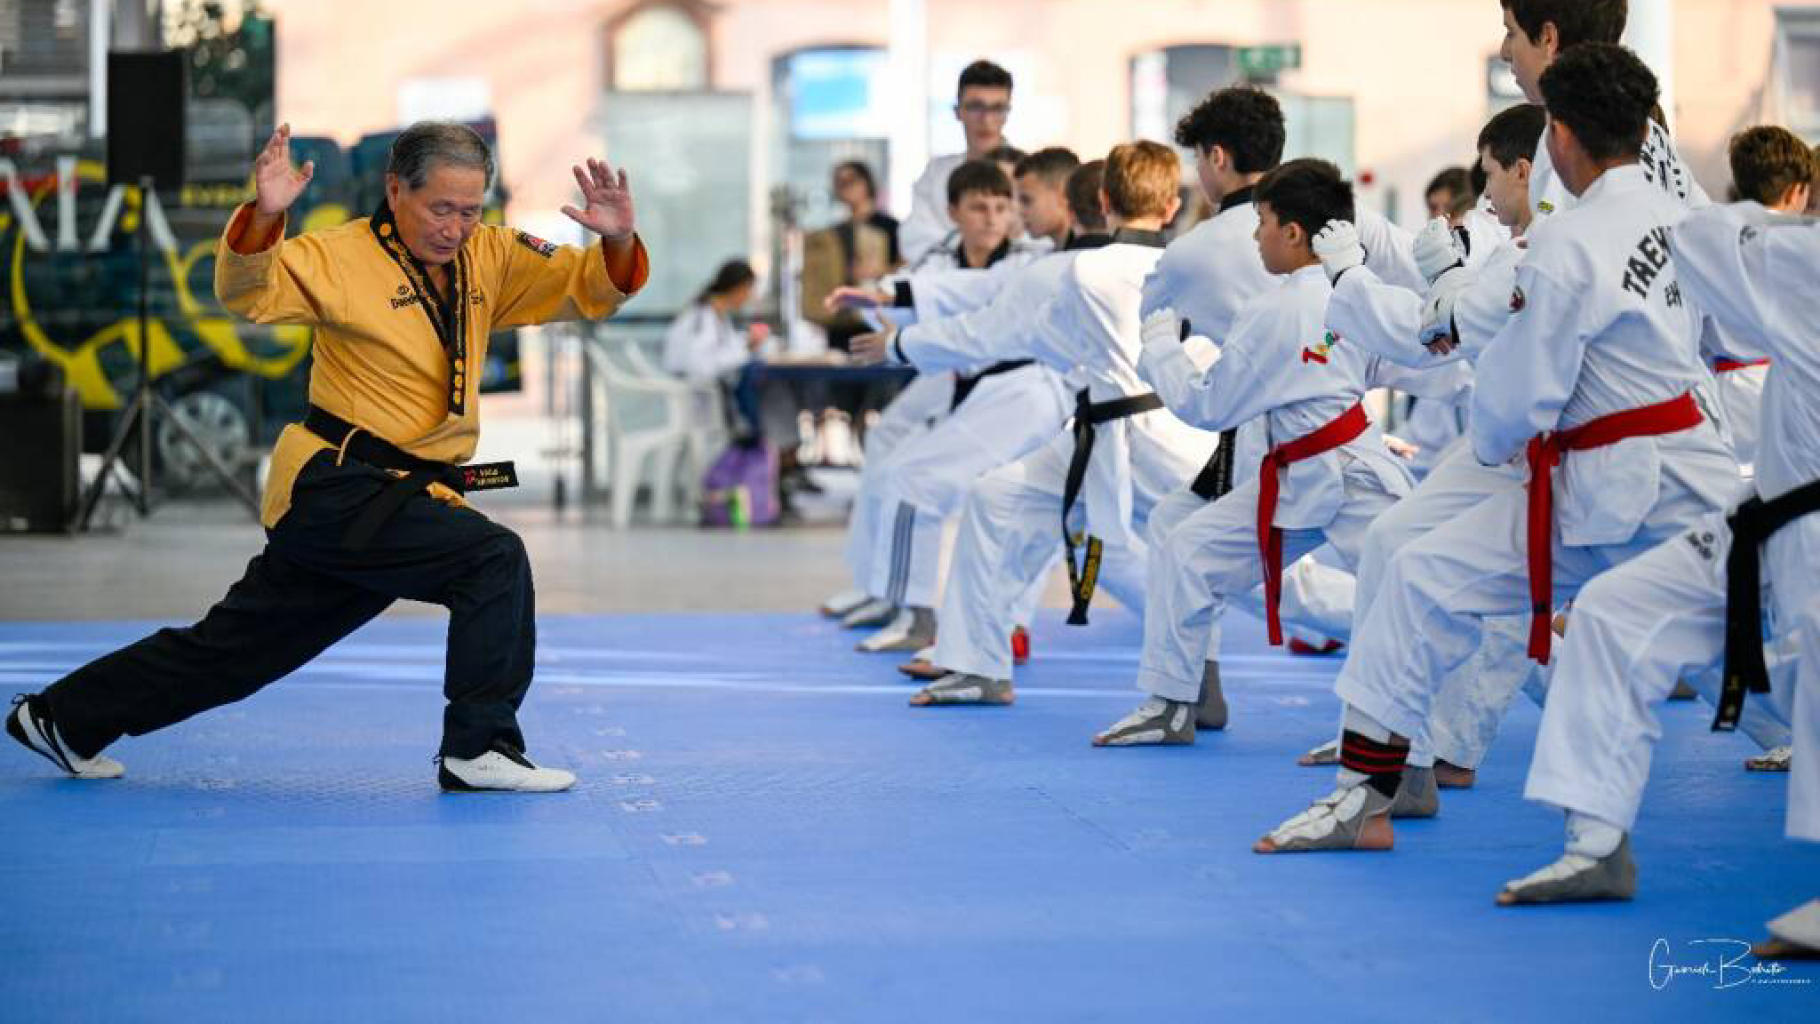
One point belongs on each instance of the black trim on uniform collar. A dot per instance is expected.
(1237, 197)
(1090, 240)
(448, 314)
(1004, 249)
(1131, 236)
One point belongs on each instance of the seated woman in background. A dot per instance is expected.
(703, 346)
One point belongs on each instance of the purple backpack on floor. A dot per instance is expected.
(740, 488)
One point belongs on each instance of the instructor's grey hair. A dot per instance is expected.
(430, 143)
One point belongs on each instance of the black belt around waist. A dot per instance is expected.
(1215, 478)
(419, 473)
(965, 383)
(1088, 414)
(1754, 522)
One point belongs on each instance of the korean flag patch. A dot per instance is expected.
(536, 245)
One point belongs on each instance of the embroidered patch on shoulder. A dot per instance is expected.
(1745, 236)
(1318, 353)
(536, 245)
(1518, 300)
(1544, 206)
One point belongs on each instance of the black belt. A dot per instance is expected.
(965, 383)
(1215, 478)
(1752, 523)
(1082, 580)
(419, 473)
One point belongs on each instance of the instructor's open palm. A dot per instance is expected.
(609, 201)
(276, 182)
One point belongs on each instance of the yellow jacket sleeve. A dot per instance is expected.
(288, 281)
(540, 283)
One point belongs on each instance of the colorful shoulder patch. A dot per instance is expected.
(536, 245)
(1318, 353)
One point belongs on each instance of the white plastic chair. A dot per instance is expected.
(647, 423)
(707, 424)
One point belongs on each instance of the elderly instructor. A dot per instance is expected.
(363, 504)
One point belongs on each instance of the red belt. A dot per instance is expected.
(1724, 365)
(1545, 451)
(1344, 429)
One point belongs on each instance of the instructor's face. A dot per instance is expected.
(436, 220)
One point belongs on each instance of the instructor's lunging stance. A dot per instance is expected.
(363, 504)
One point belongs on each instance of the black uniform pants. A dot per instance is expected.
(304, 592)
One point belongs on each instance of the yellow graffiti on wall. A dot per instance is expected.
(81, 359)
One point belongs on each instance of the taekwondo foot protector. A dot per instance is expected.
(1682, 691)
(1577, 878)
(871, 615)
(1418, 796)
(1349, 818)
(922, 669)
(843, 603)
(1325, 754)
(1210, 710)
(30, 723)
(960, 688)
(1020, 646)
(912, 630)
(500, 770)
(1452, 776)
(1304, 649)
(1793, 936)
(1774, 759)
(1155, 723)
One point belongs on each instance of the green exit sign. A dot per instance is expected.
(1269, 61)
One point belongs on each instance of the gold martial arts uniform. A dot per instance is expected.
(361, 503)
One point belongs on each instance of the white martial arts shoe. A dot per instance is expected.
(1775, 759)
(500, 770)
(912, 630)
(30, 724)
(1210, 710)
(1577, 878)
(960, 688)
(873, 614)
(1156, 723)
(1325, 754)
(1349, 818)
(1793, 936)
(1417, 796)
(841, 604)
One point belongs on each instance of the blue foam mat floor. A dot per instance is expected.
(765, 832)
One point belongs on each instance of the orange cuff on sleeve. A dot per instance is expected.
(628, 267)
(238, 233)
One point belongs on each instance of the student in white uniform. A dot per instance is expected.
(1468, 306)
(1000, 412)
(1385, 319)
(1695, 601)
(1100, 479)
(1205, 277)
(1595, 374)
(1326, 474)
(982, 103)
(980, 194)
(1772, 167)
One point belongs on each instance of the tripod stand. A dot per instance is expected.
(147, 404)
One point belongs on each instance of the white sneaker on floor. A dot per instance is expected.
(1774, 759)
(500, 770)
(30, 724)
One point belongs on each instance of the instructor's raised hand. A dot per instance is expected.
(608, 195)
(275, 180)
